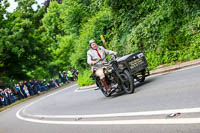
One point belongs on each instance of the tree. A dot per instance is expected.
(23, 45)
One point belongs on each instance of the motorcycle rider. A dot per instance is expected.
(96, 58)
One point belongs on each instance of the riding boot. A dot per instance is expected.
(105, 84)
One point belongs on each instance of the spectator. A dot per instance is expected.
(11, 95)
(39, 86)
(44, 85)
(8, 96)
(22, 89)
(4, 99)
(29, 87)
(74, 73)
(35, 87)
(65, 76)
(1, 103)
(61, 76)
(1, 98)
(26, 91)
(57, 82)
(19, 93)
(69, 73)
(52, 83)
(32, 82)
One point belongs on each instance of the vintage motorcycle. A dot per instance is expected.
(121, 73)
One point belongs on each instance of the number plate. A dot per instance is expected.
(135, 63)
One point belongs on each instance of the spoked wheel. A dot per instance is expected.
(141, 76)
(103, 89)
(128, 84)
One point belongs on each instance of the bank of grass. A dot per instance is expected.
(84, 78)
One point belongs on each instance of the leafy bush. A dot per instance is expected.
(153, 60)
(40, 73)
(64, 51)
(96, 26)
(84, 78)
(165, 30)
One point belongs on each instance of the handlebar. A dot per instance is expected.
(113, 57)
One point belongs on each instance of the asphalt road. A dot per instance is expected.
(148, 110)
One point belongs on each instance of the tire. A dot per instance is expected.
(141, 77)
(128, 86)
(102, 88)
(105, 93)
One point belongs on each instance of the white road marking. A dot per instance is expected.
(113, 122)
(117, 122)
(145, 113)
(84, 90)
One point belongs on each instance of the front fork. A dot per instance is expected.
(120, 78)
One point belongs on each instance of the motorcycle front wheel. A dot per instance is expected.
(102, 88)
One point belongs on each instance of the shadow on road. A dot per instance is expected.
(138, 87)
(141, 86)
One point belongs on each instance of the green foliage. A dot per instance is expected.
(52, 21)
(193, 51)
(97, 25)
(84, 78)
(153, 59)
(39, 44)
(23, 45)
(64, 51)
(72, 15)
(40, 72)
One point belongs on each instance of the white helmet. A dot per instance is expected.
(91, 41)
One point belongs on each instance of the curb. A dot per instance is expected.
(160, 70)
(175, 67)
(88, 87)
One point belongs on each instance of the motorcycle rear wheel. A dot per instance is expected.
(128, 85)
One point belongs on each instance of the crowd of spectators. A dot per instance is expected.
(25, 89)
(70, 75)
